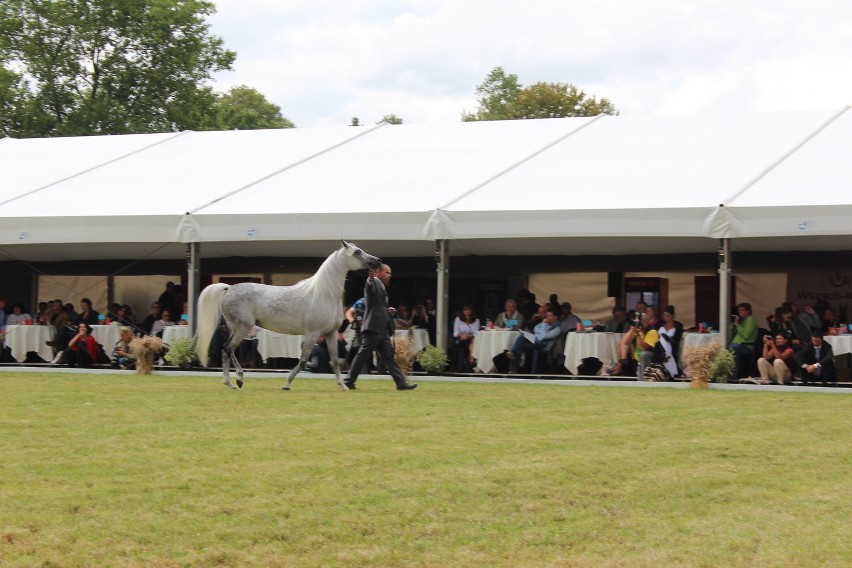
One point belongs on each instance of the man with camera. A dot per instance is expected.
(744, 334)
(778, 362)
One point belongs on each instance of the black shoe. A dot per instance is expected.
(407, 387)
(350, 385)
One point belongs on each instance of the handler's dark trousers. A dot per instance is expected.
(380, 343)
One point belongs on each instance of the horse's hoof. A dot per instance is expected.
(239, 383)
(285, 388)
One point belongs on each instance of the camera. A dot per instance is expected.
(767, 338)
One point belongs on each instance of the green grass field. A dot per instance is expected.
(108, 470)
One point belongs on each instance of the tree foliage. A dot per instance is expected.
(390, 119)
(76, 67)
(244, 108)
(502, 97)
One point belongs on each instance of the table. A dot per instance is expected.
(840, 344)
(419, 338)
(107, 336)
(274, 344)
(489, 343)
(579, 345)
(173, 332)
(694, 339)
(22, 339)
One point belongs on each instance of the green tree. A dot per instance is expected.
(390, 119)
(244, 108)
(107, 66)
(502, 97)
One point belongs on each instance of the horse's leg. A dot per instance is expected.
(228, 357)
(331, 342)
(307, 345)
(226, 368)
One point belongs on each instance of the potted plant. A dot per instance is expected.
(433, 360)
(181, 353)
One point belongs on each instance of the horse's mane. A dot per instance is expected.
(309, 284)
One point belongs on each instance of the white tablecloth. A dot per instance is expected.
(489, 343)
(273, 344)
(419, 338)
(107, 336)
(173, 332)
(840, 344)
(602, 345)
(22, 339)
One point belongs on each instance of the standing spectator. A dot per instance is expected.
(425, 316)
(568, 321)
(2, 313)
(168, 299)
(671, 332)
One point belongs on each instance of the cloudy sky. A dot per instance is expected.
(324, 61)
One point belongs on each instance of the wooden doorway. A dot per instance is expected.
(707, 299)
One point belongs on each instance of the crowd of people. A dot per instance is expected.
(791, 345)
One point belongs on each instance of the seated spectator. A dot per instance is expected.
(319, 360)
(829, 319)
(527, 304)
(82, 348)
(162, 323)
(87, 315)
(148, 323)
(122, 358)
(810, 318)
(637, 346)
(545, 334)
(783, 322)
(619, 323)
(744, 335)
(465, 327)
(510, 318)
(568, 320)
(817, 360)
(2, 313)
(425, 317)
(403, 316)
(39, 315)
(18, 316)
(123, 316)
(778, 363)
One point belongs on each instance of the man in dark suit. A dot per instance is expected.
(376, 329)
(817, 360)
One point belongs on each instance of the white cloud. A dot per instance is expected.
(324, 62)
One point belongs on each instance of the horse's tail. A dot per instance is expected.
(208, 319)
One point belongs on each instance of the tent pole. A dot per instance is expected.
(193, 256)
(442, 260)
(724, 290)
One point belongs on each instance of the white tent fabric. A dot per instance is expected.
(601, 185)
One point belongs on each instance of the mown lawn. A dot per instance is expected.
(108, 470)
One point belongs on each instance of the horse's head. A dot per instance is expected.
(360, 258)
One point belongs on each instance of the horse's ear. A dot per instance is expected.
(345, 244)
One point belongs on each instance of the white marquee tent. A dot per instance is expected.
(600, 185)
(559, 186)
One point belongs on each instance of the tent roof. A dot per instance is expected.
(600, 185)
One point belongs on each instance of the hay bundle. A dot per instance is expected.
(698, 363)
(403, 355)
(147, 350)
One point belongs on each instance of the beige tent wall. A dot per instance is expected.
(586, 291)
(288, 279)
(764, 292)
(139, 291)
(74, 288)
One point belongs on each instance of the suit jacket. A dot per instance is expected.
(807, 356)
(376, 316)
